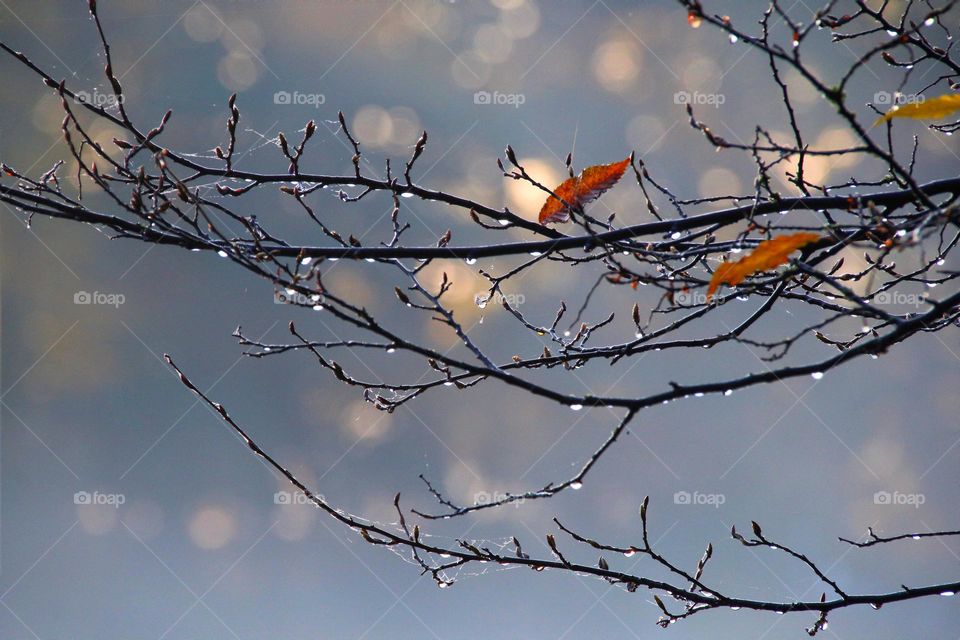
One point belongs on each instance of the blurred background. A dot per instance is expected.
(129, 510)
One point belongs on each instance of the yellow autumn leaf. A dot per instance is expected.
(768, 255)
(931, 109)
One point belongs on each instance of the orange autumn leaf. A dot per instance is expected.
(576, 192)
(769, 254)
(932, 109)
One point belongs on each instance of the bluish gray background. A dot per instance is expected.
(199, 549)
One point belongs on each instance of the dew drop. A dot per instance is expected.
(306, 260)
(932, 285)
(891, 33)
(929, 22)
(947, 594)
(817, 375)
(915, 537)
(734, 39)
(406, 194)
(698, 394)
(629, 553)
(576, 485)
(318, 307)
(444, 555)
(503, 222)
(675, 235)
(222, 253)
(576, 407)
(728, 392)
(638, 335)
(369, 259)
(471, 261)
(536, 254)
(442, 585)
(734, 608)
(391, 350)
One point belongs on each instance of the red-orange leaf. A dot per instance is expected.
(576, 192)
(769, 254)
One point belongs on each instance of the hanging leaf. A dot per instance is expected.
(931, 109)
(769, 254)
(576, 192)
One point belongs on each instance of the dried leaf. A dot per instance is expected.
(585, 188)
(931, 109)
(768, 255)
